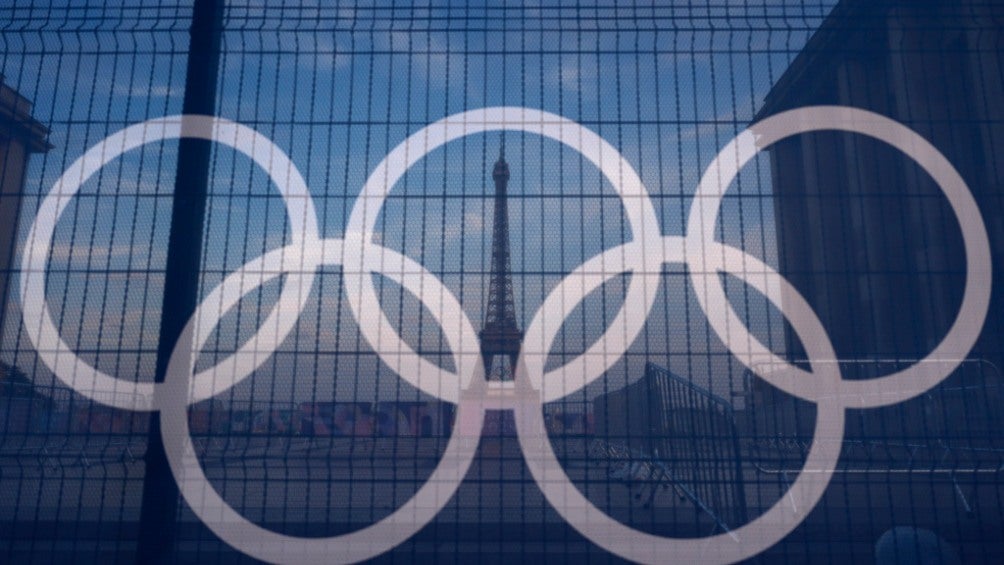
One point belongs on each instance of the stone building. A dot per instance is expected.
(863, 233)
(20, 136)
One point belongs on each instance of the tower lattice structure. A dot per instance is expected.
(501, 336)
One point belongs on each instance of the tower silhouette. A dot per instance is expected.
(500, 337)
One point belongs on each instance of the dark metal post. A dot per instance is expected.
(158, 515)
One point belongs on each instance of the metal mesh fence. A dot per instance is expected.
(687, 431)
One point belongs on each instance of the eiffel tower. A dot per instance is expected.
(500, 337)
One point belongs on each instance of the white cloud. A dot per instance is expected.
(330, 54)
(66, 251)
(575, 76)
(472, 224)
(147, 90)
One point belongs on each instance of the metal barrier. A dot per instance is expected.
(953, 428)
(664, 431)
(955, 432)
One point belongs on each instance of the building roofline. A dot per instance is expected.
(16, 120)
(833, 29)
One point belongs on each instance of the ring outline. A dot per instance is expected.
(267, 545)
(741, 543)
(44, 336)
(867, 393)
(615, 168)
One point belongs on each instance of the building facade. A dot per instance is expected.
(863, 233)
(20, 136)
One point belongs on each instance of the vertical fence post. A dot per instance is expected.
(158, 515)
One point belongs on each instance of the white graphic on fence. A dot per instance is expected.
(643, 257)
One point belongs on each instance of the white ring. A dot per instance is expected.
(638, 208)
(56, 354)
(868, 393)
(742, 542)
(178, 392)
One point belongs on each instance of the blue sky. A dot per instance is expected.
(337, 93)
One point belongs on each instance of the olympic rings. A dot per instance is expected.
(642, 257)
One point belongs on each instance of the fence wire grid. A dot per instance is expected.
(679, 436)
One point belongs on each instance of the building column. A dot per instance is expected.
(20, 136)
